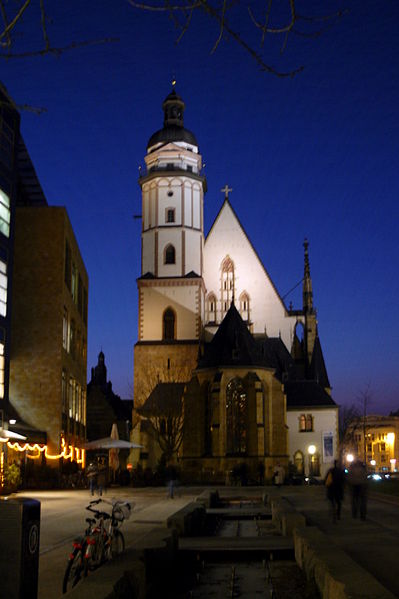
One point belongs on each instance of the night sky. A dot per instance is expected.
(311, 156)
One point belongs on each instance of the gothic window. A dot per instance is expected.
(170, 254)
(170, 215)
(169, 322)
(244, 306)
(211, 307)
(227, 283)
(305, 423)
(236, 418)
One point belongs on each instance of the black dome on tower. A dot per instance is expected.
(173, 124)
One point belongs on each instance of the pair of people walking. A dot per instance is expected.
(357, 480)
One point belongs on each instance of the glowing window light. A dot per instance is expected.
(391, 438)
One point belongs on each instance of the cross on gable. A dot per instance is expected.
(226, 190)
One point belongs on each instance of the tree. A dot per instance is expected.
(160, 404)
(349, 423)
(270, 19)
(11, 31)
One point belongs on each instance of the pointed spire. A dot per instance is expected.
(307, 292)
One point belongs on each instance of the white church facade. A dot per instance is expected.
(219, 358)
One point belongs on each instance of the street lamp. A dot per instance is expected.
(349, 458)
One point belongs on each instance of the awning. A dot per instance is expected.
(108, 443)
(7, 434)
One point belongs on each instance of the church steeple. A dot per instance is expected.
(173, 108)
(307, 291)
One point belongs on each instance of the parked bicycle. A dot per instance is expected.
(101, 541)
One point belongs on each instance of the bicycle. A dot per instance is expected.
(99, 543)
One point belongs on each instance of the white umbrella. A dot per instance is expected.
(6, 435)
(108, 443)
(114, 451)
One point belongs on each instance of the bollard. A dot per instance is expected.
(19, 547)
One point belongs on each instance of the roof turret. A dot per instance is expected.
(173, 123)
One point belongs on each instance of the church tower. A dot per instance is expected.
(171, 288)
(308, 308)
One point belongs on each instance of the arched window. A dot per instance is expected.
(169, 322)
(170, 254)
(236, 418)
(211, 307)
(302, 423)
(227, 283)
(298, 461)
(244, 306)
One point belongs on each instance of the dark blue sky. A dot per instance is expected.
(315, 156)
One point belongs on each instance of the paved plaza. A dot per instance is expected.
(373, 544)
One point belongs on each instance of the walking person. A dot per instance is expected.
(92, 474)
(335, 482)
(278, 475)
(357, 478)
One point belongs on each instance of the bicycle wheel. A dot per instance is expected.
(117, 543)
(74, 571)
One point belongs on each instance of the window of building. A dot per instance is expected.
(80, 295)
(64, 393)
(2, 362)
(170, 215)
(3, 288)
(305, 423)
(5, 213)
(236, 418)
(170, 255)
(169, 324)
(70, 398)
(382, 446)
(65, 329)
(244, 306)
(72, 338)
(74, 284)
(227, 283)
(68, 265)
(212, 308)
(369, 447)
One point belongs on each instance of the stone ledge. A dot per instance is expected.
(189, 520)
(336, 575)
(208, 498)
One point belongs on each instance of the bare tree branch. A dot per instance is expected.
(15, 20)
(60, 50)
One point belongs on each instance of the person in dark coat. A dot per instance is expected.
(357, 478)
(335, 482)
(91, 474)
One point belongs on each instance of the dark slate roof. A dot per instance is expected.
(276, 355)
(171, 133)
(232, 345)
(164, 399)
(318, 370)
(301, 394)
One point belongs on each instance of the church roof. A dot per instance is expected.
(226, 205)
(301, 394)
(232, 345)
(276, 355)
(318, 370)
(172, 133)
(164, 399)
